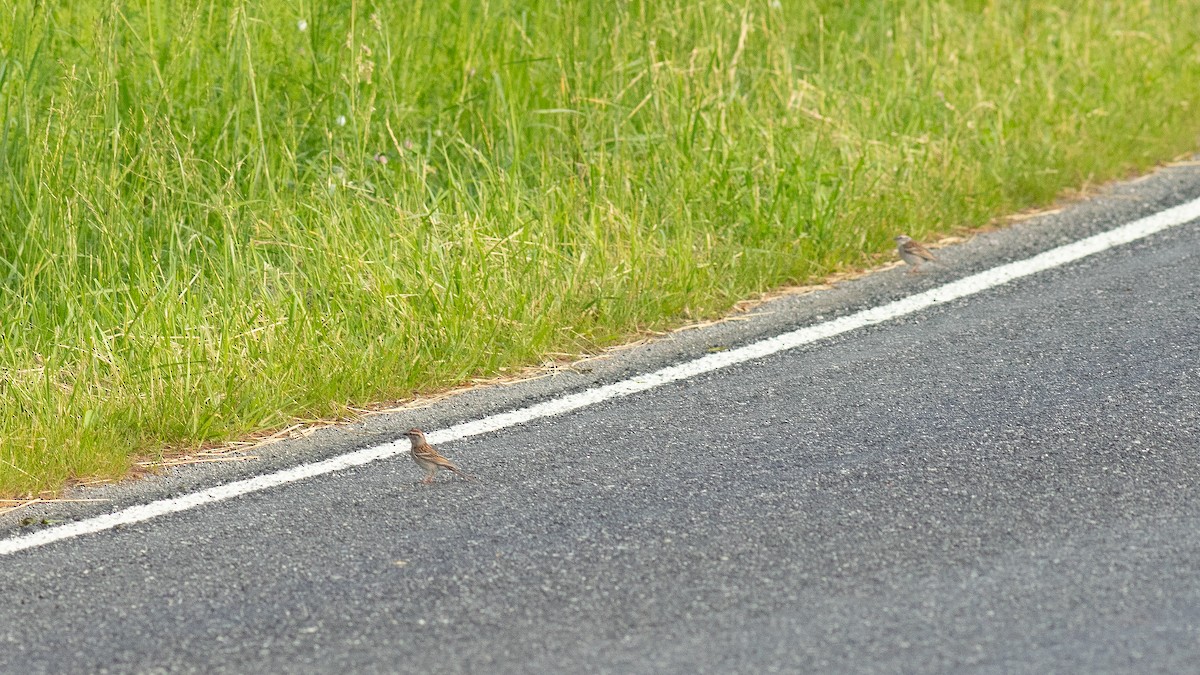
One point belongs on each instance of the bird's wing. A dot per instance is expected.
(427, 453)
(918, 250)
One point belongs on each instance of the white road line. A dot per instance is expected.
(914, 303)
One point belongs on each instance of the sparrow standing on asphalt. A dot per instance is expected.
(427, 458)
(912, 252)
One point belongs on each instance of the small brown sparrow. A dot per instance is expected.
(427, 458)
(912, 252)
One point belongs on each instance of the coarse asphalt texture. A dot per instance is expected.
(1005, 483)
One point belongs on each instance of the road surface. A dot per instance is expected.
(1010, 482)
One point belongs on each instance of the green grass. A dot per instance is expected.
(193, 245)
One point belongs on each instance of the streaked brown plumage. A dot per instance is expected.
(428, 458)
(912, 252)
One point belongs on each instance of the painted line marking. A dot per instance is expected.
(962, 288)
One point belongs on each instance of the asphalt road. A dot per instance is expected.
(1007, 483)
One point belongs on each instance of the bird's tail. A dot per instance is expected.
(462, 474)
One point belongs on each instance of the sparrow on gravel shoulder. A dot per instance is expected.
(912, 252)
(428, 458)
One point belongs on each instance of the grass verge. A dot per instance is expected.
(221, 217)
